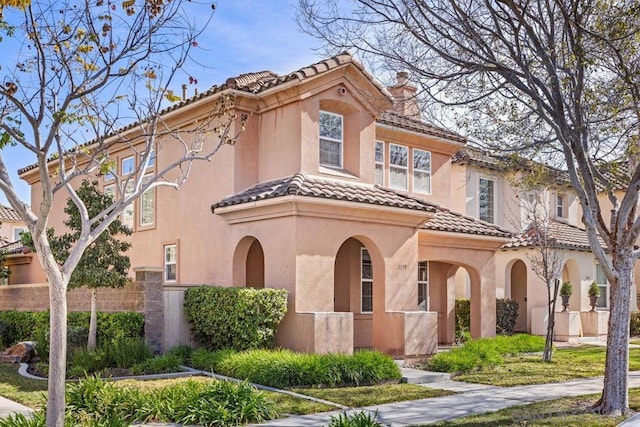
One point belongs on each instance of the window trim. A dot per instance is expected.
(424, 283)
(165, 263)
(560, 213)
(330, 139)
(493, 200)
(15, 230)
(378, 163)
(414, 170)
(394, 166)
(363, 281)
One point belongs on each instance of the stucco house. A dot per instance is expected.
(373, 220)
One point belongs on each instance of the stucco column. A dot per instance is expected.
(483, 303)
(151, 280)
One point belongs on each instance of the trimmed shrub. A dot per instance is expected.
(208, 360)
(506, 315)
(16, 326)
(463, 315)
(634, 327)
(237, 318)
(182, 352)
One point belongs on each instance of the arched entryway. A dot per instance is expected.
(248, 263)
(518, 281)
(571, 273)
(354, 288)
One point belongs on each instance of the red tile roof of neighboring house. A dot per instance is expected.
(454, 222)
(398, 120)
(307, 186)
(8, 214)
(564, 235)
(13, 248)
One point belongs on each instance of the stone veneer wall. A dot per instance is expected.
(35, 297)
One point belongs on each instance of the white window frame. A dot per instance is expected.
(560, 206)
(17, 231)
(418, 170)
(393, 166)
(365, 281)
(492, 201)
(128, 213)
(423, 285)
(379, 164)
(149, 193)
(168, 262)
(331, 140)
(604, 298)
(128, 170)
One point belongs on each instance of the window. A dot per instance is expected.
(110, 190)
(17, 232)
(398, 155)
(170, 263)
(560, 206)
(127, 214)
(421, 171)
(128, 165)
(423, 285)
(147, 204)
(112, 173)
(485, 197)
(152, 158)
(603, 284)
(367, 282)
(330, 139)
(379, 160)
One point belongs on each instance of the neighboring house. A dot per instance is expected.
(10, 225)
(491, 194)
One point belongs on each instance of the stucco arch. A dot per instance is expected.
(571, 273)
(348, 286)
(248, 263)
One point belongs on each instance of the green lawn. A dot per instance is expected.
(567, 364)
(373, 395)
(20, 389)
(569, 411)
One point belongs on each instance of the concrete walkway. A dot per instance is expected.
(473, 399)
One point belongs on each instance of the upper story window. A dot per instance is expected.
(366, 282)
(128, 165)
(17, 232)
(147, 204)
(331, 138)
(379, 161)
(398, 166)
(421, 171)
(486, 200)
(560, 206)
(603, 284)
(423, 285)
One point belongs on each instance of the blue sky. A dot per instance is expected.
(244, 36)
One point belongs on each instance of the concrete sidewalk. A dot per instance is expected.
(473, 399)
(8, 407)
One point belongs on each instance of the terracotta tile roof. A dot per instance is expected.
(8, 214)
(13, 248)
(565, 235)
(479, 158)
(310, 186)
(254, 83)
(616, 173)
(392, 118)
(454, 222)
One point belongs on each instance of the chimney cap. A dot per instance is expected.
(402, 77)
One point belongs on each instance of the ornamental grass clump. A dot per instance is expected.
(484, 352)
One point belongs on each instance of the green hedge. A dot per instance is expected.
(634, 327)
(506, 315)
(16, 326)
(285, 368)
(237, 318)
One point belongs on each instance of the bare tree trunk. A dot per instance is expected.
(93, 321)
(57, 351)
(615, 400)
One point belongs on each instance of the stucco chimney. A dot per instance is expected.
(404, 96)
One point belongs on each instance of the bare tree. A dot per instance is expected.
(546, 258)
(90, 77)
(559, 78)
